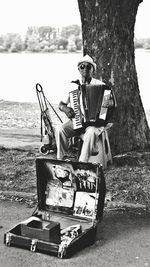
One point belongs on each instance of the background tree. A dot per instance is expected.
(71, 44)
(78, 42)
(62, 43)
(46, 33)
(17, 44)
(108, 36)
(12, 42)
(67, 31)
(33, 44)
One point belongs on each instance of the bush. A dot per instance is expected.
(62, 43)
(142, 43)
(51, 48)
(2, 49)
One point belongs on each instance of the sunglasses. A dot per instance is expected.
(87, 66)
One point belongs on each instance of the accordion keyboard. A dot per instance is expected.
(74, 102)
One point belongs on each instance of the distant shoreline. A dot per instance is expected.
(60, 52)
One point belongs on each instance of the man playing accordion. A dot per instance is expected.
(89, 93)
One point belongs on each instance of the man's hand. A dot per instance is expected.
(69, 112)
(108, 103)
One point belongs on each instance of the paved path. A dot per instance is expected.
(20, 138)
(123, 240)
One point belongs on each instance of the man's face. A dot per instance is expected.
(86, 70)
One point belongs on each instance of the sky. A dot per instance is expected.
(17, 15)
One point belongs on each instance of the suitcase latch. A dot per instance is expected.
(8, 239)
(62, 250)
(33, 245)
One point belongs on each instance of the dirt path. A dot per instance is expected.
(122, 240)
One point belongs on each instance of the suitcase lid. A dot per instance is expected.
(68, 187)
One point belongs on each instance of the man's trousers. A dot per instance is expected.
(90, 139)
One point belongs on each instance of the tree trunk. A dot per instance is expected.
(108, 37)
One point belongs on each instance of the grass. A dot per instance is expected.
(127, 180)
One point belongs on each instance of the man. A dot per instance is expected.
(90, 134)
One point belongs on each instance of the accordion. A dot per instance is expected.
(87, 103)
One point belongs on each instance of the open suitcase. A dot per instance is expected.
(70, 206)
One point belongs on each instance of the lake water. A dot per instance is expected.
(21, 72)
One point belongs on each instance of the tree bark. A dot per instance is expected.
(108, 37)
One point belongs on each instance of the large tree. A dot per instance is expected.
(108, 36)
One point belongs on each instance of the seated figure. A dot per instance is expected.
(91, 131)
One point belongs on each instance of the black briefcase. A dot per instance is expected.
(70, 206)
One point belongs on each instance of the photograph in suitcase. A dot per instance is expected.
(70, 204)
